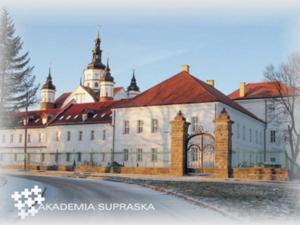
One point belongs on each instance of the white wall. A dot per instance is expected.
(275, 150)
(50, 146)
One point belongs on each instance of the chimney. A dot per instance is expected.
(211, 83)
(185, 68)
(242, 89)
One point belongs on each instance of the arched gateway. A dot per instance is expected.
(201, 151)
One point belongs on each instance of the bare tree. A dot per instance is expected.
(286, 79)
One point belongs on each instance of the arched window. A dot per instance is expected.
(96, 85)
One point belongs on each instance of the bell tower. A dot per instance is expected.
(96, 69)
(48, 93)
(106, 85)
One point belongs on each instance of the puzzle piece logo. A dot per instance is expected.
(28, 201)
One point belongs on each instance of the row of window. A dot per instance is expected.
(140, 126)
(154, 125)
(255, 136)
(91, 135)
(57, 136)
(258, 135)
(140, 154)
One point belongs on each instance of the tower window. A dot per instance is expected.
(88, 84)
(96, 85)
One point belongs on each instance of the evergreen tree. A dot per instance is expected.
(17, 88)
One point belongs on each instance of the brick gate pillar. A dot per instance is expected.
(179, 133)
(223, 149)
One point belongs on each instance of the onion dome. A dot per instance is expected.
(48, 84)
(133, 86)
(107, 76)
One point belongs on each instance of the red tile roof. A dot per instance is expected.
(97, 112)
(262, 90)
(117, 89)
(182, 88)
(35, 117)
(60, 100)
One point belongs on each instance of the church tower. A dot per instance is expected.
(96, 69)
(133, 90)
(106, 85)
(48, 94)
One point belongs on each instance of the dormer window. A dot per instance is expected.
(44, 120)
(84, 116)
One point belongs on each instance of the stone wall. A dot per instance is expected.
(265, 174)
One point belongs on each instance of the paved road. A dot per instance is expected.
(166, 209)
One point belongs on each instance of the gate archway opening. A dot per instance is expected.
(200, 153)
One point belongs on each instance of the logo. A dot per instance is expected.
(28, 202)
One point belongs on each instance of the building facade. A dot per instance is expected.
(98, 124)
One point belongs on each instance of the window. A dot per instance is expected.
(92, 134)
(103, 157)
(250, 135)
(273, 136)
(154, 126)
(16, 157)
(56, 157)
(57, 136)
(79, 156)
(154, 155)
(139, 155)
(238, 130)
(11, 138)
(140, 124)
(125, 151)
(244, 133)
(43, 157)
(80, 135)
(1, 157)
(68, 135)
(256, 137)
(40, 137)
(194, 123)
(28, 138)
(20, 138)
(260, 138)
(104, 135)
(126, 127)
(68, 157)
(3, 138)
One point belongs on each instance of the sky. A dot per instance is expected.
(229, 41)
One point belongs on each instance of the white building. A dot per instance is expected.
(260, 99)
(98, 123)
